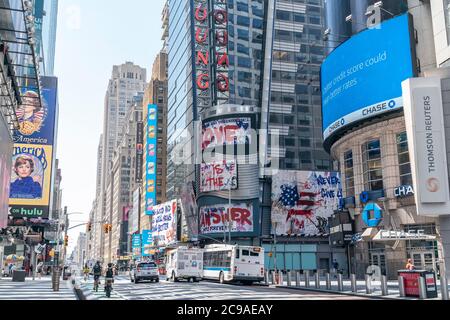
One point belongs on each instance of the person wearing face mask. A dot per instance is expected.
(25, 187)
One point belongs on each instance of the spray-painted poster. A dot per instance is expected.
(164, 224)
(302, 202)
(214, 219)
(219, 176)
(226, 132)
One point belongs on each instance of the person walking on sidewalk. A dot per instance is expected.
(39, 269)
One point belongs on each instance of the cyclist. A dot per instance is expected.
(97, 274)
(109, 279)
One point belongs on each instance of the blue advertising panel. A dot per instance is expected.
(362, 77)
(136, 245)
(33, 155)
(36, 123)
(147, 243)
(151, 158)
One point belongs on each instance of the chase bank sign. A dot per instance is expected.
(404, 191)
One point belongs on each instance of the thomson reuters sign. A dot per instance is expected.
(424, 121)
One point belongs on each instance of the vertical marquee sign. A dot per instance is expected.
(211, 52)
(151, 158)
(222, 62)
(202, 53)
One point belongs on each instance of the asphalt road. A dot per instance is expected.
(124, 289)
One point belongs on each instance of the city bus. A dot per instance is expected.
(233, 263)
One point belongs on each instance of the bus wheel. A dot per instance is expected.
(221, 278)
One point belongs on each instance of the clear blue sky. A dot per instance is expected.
(92, 37)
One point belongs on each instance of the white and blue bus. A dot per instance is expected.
(233, 263)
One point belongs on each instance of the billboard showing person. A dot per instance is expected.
(30, 114)
(28, 184)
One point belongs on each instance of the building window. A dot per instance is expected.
(373, 171)
(349, 174)
(403, 159)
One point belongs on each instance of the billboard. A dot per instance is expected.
(136, 212)
(214, 219)
(6, 148)
(218, 176)
(139, 151)
(30, 183)
(32, 161)
(164, 224)
(136, 245)
(303, 201)
(424, 119)
(151, 158)
(147, 243)
(189, 209)
(223, 132)
(362, 77)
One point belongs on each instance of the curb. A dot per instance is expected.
(345, 293)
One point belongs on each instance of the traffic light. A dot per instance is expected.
(106, 228)
(110, 227)
(66, 241)
(89, 227)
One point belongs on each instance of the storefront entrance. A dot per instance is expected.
(425, 260)
(378, 259)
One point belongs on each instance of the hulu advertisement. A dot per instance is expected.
(32, 161)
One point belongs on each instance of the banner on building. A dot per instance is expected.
(303, 201)
(424, 119)
(189, 209)
(147, 243)
(32, 162)
(135, 215)
(139, 151)
(151, 158)
(223, 132)
(219, 176)
(164, 224)
(136, 245)
(214, 219)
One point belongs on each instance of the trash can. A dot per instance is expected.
(19, 276)
(411, 283)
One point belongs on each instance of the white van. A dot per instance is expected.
(184, 263)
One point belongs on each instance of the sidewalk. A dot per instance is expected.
(35, 290)
(393, 290)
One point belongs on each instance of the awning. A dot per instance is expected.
(369, 233)
(389, 235)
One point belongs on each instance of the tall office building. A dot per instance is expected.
(127, 81)
(49, 27)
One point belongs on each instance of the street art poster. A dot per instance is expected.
(29, 194)
(189, 208)
(219, 176)
(222, 132)
(302, 202)
(164, 224)
(147, 243)
(136, 241)
(214, 219)
(37, 121)
(151, 158)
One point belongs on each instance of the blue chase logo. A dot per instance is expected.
(392, 104)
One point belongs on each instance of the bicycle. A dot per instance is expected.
(96, 283)
(108, 286)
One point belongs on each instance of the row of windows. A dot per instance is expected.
(372, 165)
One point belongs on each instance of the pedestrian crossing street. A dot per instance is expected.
(39, 289)
(124, 289)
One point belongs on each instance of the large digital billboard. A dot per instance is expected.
(151, 158)
(215, 218)
(32, 160)
(164, 224)
(362, 77)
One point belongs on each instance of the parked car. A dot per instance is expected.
(145, 271)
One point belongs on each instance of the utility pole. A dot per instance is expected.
(229, 212)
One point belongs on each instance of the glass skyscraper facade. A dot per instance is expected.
(295, 99)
